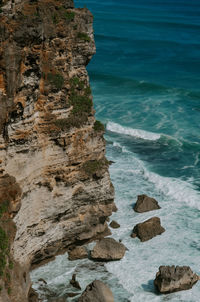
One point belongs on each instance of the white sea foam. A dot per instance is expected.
(114, 127)
(175, 188)
(118, 145)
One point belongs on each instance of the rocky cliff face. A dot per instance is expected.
(50, 145)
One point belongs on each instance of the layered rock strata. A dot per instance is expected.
(49, 140)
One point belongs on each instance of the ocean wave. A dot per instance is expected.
(146, 135)
(118, 145)
(181, 191)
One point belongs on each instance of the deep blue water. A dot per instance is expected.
(145, 79)
(146, 75)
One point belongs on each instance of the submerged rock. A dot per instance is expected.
(114, 224)
(80, 252)
(148, 229)
(145, 204)
(97, 291)
(108, 249)
(172, 279)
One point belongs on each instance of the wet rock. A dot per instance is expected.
(172, 279)
(58, 300)
(71, 295)
(145, 204)
(114, 208)
(114, 224)
(75, 283)
(148, 229)
(97, 291)
(108, 249)
(42, 280)
(79, 252)
(32, 295)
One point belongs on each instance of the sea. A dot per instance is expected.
(145, 79)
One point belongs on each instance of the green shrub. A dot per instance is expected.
(80, 103)
(98, 126)
(4, 207)
(91, 167)
(83, 36)
(69, 16)
(88, 91)
(76, 83)
(55, 18)
(3, 250)
(11, 265)
(56, 80)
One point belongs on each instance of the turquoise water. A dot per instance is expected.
(145, 80)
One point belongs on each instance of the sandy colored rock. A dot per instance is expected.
(80, 252)
(97, 291)
(148, 229)
(108, 249)
(172, 279)
(114, 224)
(145, 204)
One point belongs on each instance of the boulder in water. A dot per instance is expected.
(114, 224)
(97, 291)
(145, 203)
(108, 249)
(171, 279)
(75, 283)
(148, 229)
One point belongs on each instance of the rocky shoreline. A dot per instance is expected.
(55, 189)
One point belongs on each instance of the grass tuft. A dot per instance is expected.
(83, 36)
(98, 126)
(55, 80)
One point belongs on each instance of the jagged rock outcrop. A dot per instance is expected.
(49, 140)
(172, 279)
(108, 249)
(145, 204)
(96, 291)
(148, 229)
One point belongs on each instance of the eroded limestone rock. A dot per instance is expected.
(97, 291)
(148, 229)
(145, 204)
(172, 279)
(108, 249)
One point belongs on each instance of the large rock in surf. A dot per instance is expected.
(96, 291)
(145, 203)
(79, 252)
(108, 249)
(172, 279)
(148, 229)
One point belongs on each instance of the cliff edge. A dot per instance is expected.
(51, 147)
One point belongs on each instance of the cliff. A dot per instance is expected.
(52, 152)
